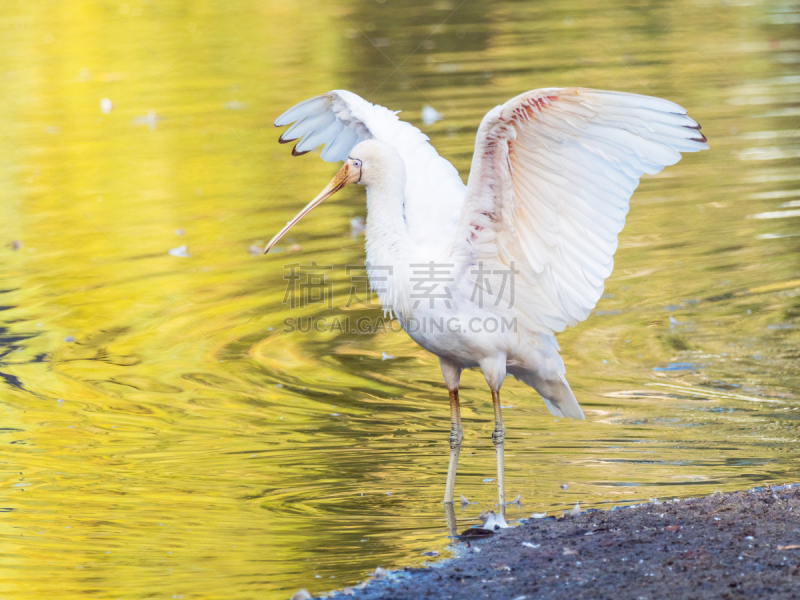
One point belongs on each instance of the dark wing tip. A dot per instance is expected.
(284, 141)
(697, 128)
(296, 152)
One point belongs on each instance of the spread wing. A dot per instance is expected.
(548, 192)
(335, 119)
(341, 119)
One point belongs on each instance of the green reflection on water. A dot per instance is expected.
(183, 445)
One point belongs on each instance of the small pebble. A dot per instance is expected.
(379, 573)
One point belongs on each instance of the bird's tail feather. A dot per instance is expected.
(556, 393)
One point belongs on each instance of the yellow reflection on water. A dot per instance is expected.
(164, 437)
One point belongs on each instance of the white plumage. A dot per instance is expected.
(549, 188)
(434, 191)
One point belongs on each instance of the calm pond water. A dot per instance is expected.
(164, 438)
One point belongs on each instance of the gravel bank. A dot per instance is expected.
(732, 546)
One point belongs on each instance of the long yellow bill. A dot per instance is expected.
(347, 174)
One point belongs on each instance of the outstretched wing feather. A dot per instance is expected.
(551, 179)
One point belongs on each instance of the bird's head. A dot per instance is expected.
(363, 166)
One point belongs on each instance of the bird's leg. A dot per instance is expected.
(456, 435)
(499, 438)
(452, 374)
(450, 515)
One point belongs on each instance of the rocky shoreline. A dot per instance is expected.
(730, 546)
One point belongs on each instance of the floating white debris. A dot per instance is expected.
(539, 515)
(488, 480)
(517, 500)
(254, 250)
(302, 595)
(379, 573)
(105, 106)
(464, 500)
(385, 356)
(234, 105)
(150, 119)
(564, 486)
(69, 339)
(179, 232)
(430, 115)
(576, 510)
(180, 251)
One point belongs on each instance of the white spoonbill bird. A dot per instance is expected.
(484, 274)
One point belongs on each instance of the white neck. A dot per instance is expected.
(388, 242)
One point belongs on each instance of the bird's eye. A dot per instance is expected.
(357, 164)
